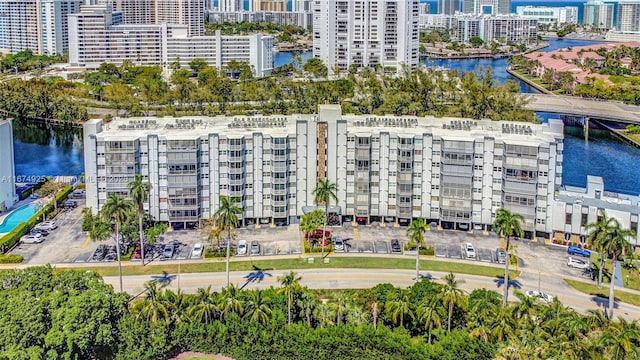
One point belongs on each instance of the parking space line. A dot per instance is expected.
(86, 242)
(356, 234)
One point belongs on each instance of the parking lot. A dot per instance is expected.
(68, 244)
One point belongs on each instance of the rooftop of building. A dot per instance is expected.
(284, 125)
(607, 199)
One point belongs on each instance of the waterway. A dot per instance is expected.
(39, 151)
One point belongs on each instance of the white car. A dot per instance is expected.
(470, 251)
(242, 247)
(196, 253)
(578, 263)
(540, 295)
(338, 244)
(47, 225)
(32, 239)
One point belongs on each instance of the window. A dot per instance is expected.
(584, 219)
(567, 219)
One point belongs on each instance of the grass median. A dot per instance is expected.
(591, 289)
(303, 263)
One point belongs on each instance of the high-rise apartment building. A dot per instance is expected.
(7, 170)
(230, 5)
(97, 35)
(629, 15)
(598, 15)
(550, 15)
(448, 7)
(39, 25)
(365, 33)
(268, 5)
(487, 7)
(179, 12)
(457, 172)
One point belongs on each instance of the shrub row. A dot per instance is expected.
(317, 249)
(11, 259)
(10, 239)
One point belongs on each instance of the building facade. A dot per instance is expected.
(456, 172)
(629, 16)
(550, 15)
(575, 207)
(598, 15)
(179, 12)
(39, 25)
(303, 19)
(97, 35)
(7, 170)
(230, 5)
(487, 7)
(366, 33)
(500, 28)
(448, 7)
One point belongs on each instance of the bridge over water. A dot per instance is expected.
(585, 108)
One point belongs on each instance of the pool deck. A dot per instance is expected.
(20, 204)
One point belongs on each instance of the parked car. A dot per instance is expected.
(77, 194)
(540, 295)
(242, 247)
(100, 252)
(111, 255)
(70, 204)
(577, 250)
(32, 239)
(395, 246)
(501, 256)
(338, 244)
(255, 248)
(47, 225)
(167, 252)
(196, 253)
(43, 232)
(470, 251)
(34, 196)
(578, 263)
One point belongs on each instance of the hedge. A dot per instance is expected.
(11, 259)
(10, 239)
(214, 253)
(317, 249)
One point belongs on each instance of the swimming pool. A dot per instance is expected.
(18, 217)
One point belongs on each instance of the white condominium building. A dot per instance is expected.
(457, 172)
(303, 19)
(485, 7)
(366, 33)
(7, 170)
(230, 5)
(629, 16)
(550, 15)
(181, 12)
(598, 15)
(97, 35)
(39, 25)
(576, 207)
(501, 28)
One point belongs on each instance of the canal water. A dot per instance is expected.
(42, 152)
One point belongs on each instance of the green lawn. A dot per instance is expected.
(630, 277)
(302, 263)
(604, 292)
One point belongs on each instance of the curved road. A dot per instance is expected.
(366, 278)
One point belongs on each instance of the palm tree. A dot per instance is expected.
(226, 217)
(177, 303)
(430, 314)
(325, 315)
(618, 247)
(204, 310)
(290, 285)
(117, 209)
(451, 294)
(307, 302)
(153, 307)
(507, 224)
(139, 191)
(340, 300)
(399, 306)
(356, 316)
(230, 302)
(416, 232)
(257, 309)
(598, 238)
(324, 192)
